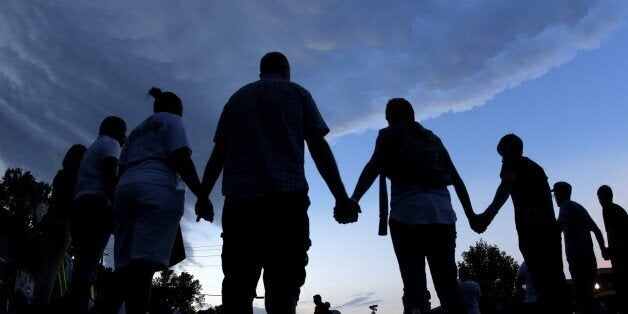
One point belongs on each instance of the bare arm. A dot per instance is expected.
(213, 169)
(367, 177)
(460, 188)
(183, 165)
(598, 235)
(326, 165)
(501, 196)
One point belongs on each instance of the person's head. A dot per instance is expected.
(317, 299)
(166, 102)
(510, 146)
(605, 195)
(562, 192)
(399, 110)
(275, 63)
(327, 305)
(73, 156)
(113, 127)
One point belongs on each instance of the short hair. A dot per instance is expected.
(510, 143)
(562, 188)
(605, 192)
(399, 109)
(274, 63)
(166, 101)
(112, 125)
(317, 297)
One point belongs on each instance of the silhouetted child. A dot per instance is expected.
(470, 290)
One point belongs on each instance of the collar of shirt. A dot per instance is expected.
(271, 77)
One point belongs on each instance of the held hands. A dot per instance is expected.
(346, 211)
(480, 222)
(606, 253)
(204, 209)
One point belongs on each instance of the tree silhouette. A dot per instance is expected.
(495, 272)
(172, 291)
(21, 195)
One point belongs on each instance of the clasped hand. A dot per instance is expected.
(204, 209)
(346, 211)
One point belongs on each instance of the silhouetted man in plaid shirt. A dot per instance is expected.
(259, 146)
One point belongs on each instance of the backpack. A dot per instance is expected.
(414, 156)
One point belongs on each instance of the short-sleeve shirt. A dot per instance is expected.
(263, 127)
(145, 155)
(577, 226)
(531, 197)
(89, 180)
(412, 201)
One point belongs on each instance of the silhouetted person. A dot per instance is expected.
(577, 226)
(422, 220)
(470, 290)
(56, 226)
(319, 306)
(539, 235)
(259, 143)
(616, 224)
(91, 224)
(148, 205)
(531, 301)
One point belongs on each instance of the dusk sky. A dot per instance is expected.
(555, 73)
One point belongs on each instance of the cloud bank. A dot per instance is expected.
(66, 65)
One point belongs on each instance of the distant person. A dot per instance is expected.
(148, 204)
(470, 290)
(56, 226)
(319, 306)
(539, 234)
(422, 219)
(531, 301)
(259, 142)
(91, 222)
(616, 224)
(577, 226)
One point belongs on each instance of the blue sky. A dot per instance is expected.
(555, 74)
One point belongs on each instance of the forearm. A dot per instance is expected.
(367, 177)
(463, 196)
(326, 165)
(501, 196)
(188, 174)
(212, 170)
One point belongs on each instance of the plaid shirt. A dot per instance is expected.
(264, 125)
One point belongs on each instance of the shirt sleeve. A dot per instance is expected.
(174, 135)
(313, 122)
(223, 125)
(110, 148)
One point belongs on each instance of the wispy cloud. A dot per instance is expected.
(360, 300)
(65, 65)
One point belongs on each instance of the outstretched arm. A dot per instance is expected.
(213, 169)
(183, 165)
(346, 209)
(598, 235)
(367, 177)
(459, 187)
(326, 165)
(204, 208)
(501, 195)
